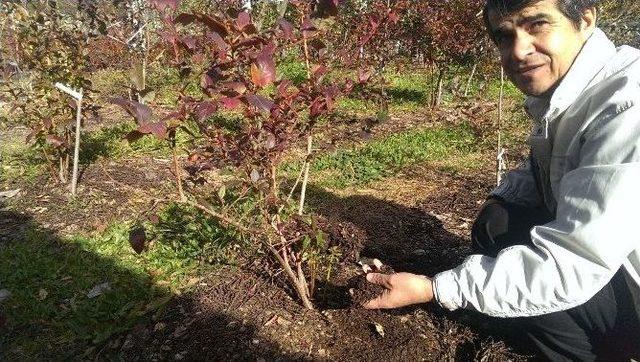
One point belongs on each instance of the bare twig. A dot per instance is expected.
(473, 72)
(177, 172)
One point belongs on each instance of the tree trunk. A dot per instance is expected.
(438, 97)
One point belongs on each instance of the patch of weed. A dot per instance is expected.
(294, 70)
(194, 235)
(382, 158)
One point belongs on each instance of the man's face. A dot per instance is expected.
(537, 45)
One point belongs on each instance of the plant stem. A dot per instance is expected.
(299, 284)
(306, 49)
(473, 72)
(177, 172)
(305, 180)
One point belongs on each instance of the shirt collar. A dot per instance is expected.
(593, 56)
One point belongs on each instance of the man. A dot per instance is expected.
(560, 236)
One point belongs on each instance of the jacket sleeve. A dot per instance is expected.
(519, 186)
(573, 257)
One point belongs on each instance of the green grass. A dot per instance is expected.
(49, 312)
(19, 161)
(110, 142)
(383, 158)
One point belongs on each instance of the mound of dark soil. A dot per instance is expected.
(361, 291)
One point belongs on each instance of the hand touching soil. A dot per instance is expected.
(400, 290)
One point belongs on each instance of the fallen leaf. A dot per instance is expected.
(99, 290)
(379, 329)
(138, 239)
(271, 320)
(42, 294)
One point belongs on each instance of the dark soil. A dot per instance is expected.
(107, 192)
(237, 314)
(361, 291)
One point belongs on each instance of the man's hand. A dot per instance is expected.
(402, 289)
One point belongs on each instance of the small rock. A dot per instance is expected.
(255, 341)
(180, 356)
(4, 294)
(9, 194)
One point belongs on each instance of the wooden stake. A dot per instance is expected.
(76, 150)
(500, 165)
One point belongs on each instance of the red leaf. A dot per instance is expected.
(327, 8)
(234, 88)
(308, 25)
(184, 19)
(394, 17)
(318, 71)
(45, 125)
(260, 102)
(286, 27)
(218, 41)
(364, 76)
(283, 88)
(205, 110)
(139, 111)
(55, 141)
(134, 136)
(243, 20)
(161, 5)
(263, 71)
(188, 42)
(138, 239)
(158, 129)
(213, 23)
(317, 107)
(230, 102)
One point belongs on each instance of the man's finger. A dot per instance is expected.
(380, 279)
(376, 303)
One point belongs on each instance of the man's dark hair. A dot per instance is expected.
(572, 9)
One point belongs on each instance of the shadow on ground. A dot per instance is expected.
(408, 239)
(47, 310)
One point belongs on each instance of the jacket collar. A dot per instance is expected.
(593, 56)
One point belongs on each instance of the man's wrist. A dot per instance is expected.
(445, 290)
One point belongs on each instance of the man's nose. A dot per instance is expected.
(523, 46)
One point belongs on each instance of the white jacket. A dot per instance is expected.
(586, 145)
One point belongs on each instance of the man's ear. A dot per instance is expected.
(589, 17)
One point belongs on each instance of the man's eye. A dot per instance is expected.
(538, 24)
